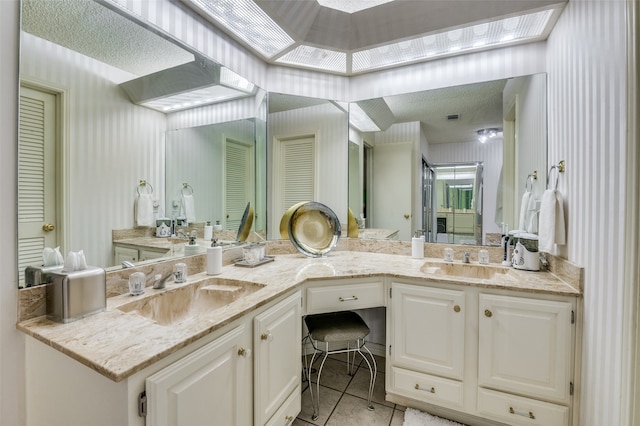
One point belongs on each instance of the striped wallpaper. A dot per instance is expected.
(586, 58)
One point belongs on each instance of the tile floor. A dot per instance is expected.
(343, 398)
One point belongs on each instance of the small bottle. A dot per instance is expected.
(214, 259)
(417, 246)
(217, 226)
(208, 231)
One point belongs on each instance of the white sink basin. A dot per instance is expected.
(468, 270)
(190, 301)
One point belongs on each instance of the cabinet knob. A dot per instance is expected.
(48, 227)
(244, 352)
(488, 313)
(289, 420)
(456, 308)
(266, 336)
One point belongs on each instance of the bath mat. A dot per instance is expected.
(413, 417)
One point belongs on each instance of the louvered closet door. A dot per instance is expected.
(238, 181)
(36, 177)
(297, 171)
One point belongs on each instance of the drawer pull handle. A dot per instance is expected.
(488, 313)
(345, 299)
(432, 390)
(456, 308)
(289, 420)
(519, 413)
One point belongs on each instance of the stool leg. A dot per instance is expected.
(373, 372)
(314, 416)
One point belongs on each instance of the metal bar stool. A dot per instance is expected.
(329, 334)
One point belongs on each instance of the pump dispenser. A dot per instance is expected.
(417, 245)
(214, 258)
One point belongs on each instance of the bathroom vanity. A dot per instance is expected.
(482, 345)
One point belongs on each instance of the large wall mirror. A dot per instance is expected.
(405, 151)
(308, 155)
(86, 140)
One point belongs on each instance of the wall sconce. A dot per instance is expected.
(486, 134)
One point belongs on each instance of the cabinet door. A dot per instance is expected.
(120, 254)
(152, 254)
(277, 344)
(210, 386)
(428, 329)
(525, 346)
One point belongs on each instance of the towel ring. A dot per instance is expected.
(528, 185)
(559, 169)
(143, 183)
(186, 187)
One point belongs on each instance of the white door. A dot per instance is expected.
(277, 345)
(238, 181)
(210, 386)
(37, 222)
(525, 346)
(294, 175)
(393, 188)
(428, 329)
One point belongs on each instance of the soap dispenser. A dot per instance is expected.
(208, 231)
(417, 245)
(193, 247)
(214, 258)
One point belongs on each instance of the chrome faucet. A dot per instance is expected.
(467, 257)
(161, 281)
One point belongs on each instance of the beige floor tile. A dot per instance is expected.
(380, 363)
(349, 411)
(359, 386)
(328, 400)
(334, 374)
(397, 419)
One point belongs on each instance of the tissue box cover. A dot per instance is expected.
(76, 294)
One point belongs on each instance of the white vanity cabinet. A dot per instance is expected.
(427, 343)
(277, 348)
(135, 254)
(525, 354)
(481, 355)
(210, 385)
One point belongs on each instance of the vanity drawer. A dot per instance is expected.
(331, 296)
(288, 411)
(516, 410)
(427, 388)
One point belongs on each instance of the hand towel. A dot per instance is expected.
(524, 205)
(188, 207)
(531, 219)
(551, 224)
(144, 210)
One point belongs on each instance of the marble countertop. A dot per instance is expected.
(118, 344)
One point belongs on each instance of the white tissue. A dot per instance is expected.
(52, 257)
(75, 261)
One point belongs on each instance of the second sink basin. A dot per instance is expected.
(467, 270)
(190, 301)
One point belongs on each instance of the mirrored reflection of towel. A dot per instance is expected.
(188, 207)
(551, 224)
(524, 206)
(531, 219)
(144, 210)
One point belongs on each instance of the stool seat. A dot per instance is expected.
(336, 327)
(326, 333)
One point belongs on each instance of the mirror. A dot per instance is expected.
(404, 138)
(307, 151)
(102, 144)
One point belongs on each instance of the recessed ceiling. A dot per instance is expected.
(357, 36)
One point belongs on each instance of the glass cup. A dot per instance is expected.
(137, 282)
(251, 255)
(180, 272)
(448, 254)
(483, 257)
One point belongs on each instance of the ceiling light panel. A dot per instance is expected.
(195, 98)
(247, 21)
(351, 6)
(480, 36)
(314, 57)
